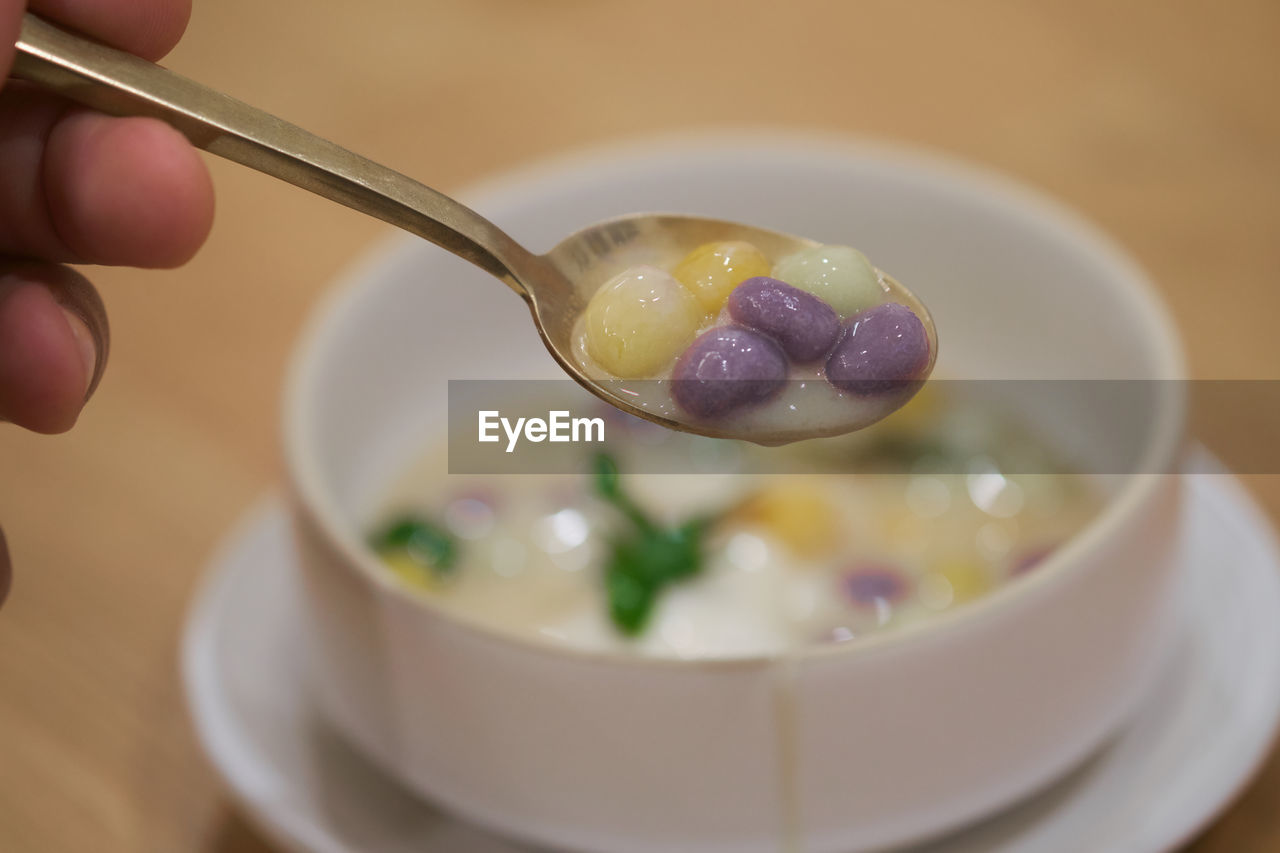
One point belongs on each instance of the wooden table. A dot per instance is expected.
(1155, 119)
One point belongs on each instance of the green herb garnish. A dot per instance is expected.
(646, 557)
(427, 544)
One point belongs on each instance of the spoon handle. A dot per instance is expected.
(121, 84)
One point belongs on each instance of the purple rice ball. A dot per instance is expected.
(803, 324)
(725, 369)
(868, 585)
(884, 349)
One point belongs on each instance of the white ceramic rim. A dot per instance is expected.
(1159, 334)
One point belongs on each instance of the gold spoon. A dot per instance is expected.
(557, 285)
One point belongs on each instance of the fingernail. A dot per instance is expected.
(85, 344)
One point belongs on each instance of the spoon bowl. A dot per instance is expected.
(557, 286)
(590, 257)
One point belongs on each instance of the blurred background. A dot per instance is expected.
(1156, 120)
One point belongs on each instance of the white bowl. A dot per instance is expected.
(845, 748)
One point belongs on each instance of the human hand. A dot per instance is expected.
(79, 187)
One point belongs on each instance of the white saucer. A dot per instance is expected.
(1201, 735)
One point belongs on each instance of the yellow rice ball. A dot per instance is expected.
(713, 270)
(800, 514)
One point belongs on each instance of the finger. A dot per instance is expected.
(126, 190)
(77, 186)
(6, 568)
(148, 28)
(53, 344)
(10, 22)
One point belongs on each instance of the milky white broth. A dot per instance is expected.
(797, 559)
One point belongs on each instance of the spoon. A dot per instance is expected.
(557, 286)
